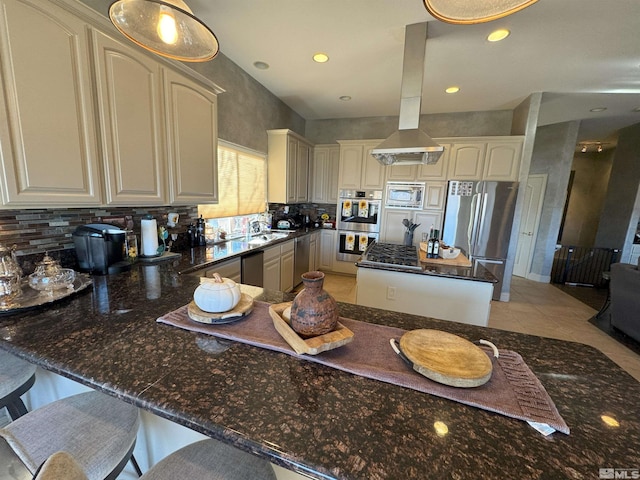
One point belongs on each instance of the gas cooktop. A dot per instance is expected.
(392, 254)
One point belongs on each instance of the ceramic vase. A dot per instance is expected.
(313, 312)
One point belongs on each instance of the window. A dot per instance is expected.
(242, 183)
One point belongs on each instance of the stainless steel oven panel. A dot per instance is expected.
(359, 211)
(351, 244)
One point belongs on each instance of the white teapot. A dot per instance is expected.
(216, 294)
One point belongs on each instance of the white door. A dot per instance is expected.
(534, 196)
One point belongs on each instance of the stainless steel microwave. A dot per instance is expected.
(404, 195)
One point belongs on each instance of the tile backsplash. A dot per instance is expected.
(36, 231)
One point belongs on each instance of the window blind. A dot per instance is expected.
(242, 182)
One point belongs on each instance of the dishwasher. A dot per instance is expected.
(301, 258)
(252, 266)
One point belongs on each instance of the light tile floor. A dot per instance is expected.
(535, 308)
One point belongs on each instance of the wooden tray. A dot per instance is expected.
(242, 309)
(311, 346)
(460, 261)
(446, 358)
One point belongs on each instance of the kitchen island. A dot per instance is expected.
(317, 420)
(394, 277)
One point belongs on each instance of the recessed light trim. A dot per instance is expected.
(637, 109)
(320, 57)
(598, 109)
(452, 89)
(261, 65)
(498, 35)
(345, 98)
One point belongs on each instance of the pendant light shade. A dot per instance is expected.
(468, 12)
(166, 28)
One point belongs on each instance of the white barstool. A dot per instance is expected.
(16, 377)
(203, 460)
(97, 430)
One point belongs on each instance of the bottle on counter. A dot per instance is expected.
(191, 233)
(430, 247)
(200, 237)
(436, 244)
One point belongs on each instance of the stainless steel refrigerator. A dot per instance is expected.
(478, 218)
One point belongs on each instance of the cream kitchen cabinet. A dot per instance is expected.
(435, 194)
(227, 269)
(328, 249)
(393, 229)
(48, 146)
(358, 169)
(314, 241)
(502, 160)
(129, 93)
(324, 181)
(402, 173)
(287, 251)
(466, 161)
(287, 167)
(271, 268)
(192, 140)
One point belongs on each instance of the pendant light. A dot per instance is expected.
(466, 12)
(165, 27)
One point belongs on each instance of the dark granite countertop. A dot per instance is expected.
(476, 273)
(198, 258)
(314, 419)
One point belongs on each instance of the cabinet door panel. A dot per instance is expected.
(292, 165)
(302, 172)
(426, 220)
(350, 166)
(502, 161)
(467, 161)
(401, 173)
(332, 176)
(439, 170)
(392, 227)
(129, 111)
(49, 152)
(328, 239)
(435, 194)
(318, 184)
(372, 170)
(193, 140)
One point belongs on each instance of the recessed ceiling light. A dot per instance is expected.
(637, 109)
(452, 90)
(321, 57)
(498, 35)
(345, 98)
(261, 65)
(598, 109)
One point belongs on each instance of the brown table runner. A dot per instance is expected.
(513, 389)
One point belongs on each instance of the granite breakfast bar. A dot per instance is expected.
(320, 421)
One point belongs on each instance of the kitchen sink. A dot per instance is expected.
(266, 238)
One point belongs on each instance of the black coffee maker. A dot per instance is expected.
(100, 248)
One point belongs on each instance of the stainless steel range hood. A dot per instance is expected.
(410, 145)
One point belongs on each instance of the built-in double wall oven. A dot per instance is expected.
(358, 222)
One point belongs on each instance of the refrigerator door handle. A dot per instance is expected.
(480, 219)
(474, 221)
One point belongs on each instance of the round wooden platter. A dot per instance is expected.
(242, 309)
(446, 358)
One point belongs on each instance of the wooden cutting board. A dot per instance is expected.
(460, 261)
(446, 358)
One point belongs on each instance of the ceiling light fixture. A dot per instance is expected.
(345, 98)
(321, 57)
(466, 12)
(584, 149)
(261, 65)
(498, 35)
(598, 109)
(165, 27)
(591, 146)
(452, 90)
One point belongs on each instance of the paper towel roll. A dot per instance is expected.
(149, 233)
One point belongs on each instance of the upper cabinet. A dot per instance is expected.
(48, 145)
(129, 91)
(324, 179)
(358, 169)
(502, 161)
(489, 158)
(288, 167)
(192, 140)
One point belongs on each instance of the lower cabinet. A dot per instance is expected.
(314, 243)
(327, 249)
(227, 269)
(271, 268)
(286, 265)
(393, 228)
